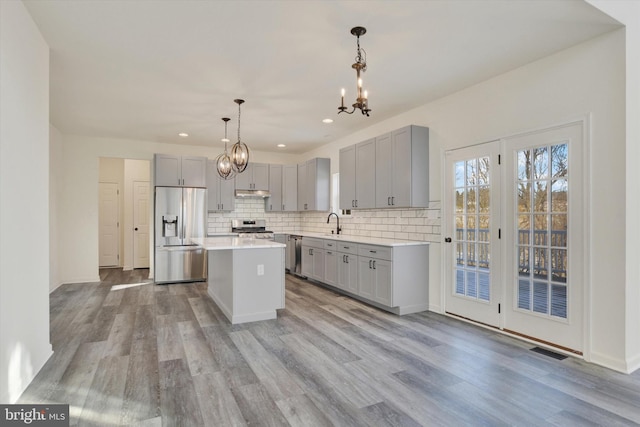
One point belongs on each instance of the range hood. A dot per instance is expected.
(261, 194)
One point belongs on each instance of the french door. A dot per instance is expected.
(472, 209)
(516, 257)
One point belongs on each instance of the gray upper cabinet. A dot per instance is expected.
(220, 192)
(313, 185)
(348, 177)
(180, 171)
(290, 188)
(254, 177)
(357, 176)
(402, 168)
(274, 202)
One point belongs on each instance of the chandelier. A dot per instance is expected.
(223, 161)
(362, 101)
(239, 150)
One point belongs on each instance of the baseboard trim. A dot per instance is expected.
(86, 279)
(616, 364)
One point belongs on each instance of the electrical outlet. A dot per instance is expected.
(260, 269)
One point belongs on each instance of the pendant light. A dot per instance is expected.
(362, 101)
(223, 161)
(239, 150)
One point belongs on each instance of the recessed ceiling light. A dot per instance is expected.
(280, 145)
(183, 134)
(327, 120)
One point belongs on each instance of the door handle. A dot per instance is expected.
(135, 229)
(447, 239)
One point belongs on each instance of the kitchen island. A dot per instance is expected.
(245, 276)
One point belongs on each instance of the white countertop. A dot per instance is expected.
(222, 243)
(361, 239)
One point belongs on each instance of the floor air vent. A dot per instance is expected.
(549, 353)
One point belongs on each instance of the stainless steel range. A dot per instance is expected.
(253, 228)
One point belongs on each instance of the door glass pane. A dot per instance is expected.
(472, 221)
(541, 246)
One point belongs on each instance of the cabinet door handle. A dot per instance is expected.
(388, 201)
(270, 207)
(356, 203)
(370, 263)
(373, 252)
(283, 206)
(374, 264)
(393, 200)
(329, 252)
(347, 258)
(221, 206)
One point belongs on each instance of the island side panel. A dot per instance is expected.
(220, 280)
(258, 276)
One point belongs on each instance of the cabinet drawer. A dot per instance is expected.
(348, 248)
(331, 245)
(380, 252)
(314, 243)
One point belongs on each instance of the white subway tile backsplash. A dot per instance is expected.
(406, 224)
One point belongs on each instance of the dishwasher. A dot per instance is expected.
(294, 254)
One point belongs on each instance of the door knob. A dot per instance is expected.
(136, 229)
(447, 239)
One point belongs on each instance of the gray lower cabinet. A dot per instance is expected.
(374, 280)
(331, 267)
(313, 259)
(395, 278)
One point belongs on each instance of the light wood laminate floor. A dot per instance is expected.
(166, 355)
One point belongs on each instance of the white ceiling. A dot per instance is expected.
(149, 69)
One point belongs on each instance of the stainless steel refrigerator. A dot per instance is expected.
(180, 214)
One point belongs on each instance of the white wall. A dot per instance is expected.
(55, 192)
(628, 12)
(586, 79)
(78, 209)
(24, 200)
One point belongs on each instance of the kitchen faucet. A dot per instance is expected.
(338, 229)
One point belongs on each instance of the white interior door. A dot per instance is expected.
(472, 210)
(141, 215)
(109, 242)
(544, 205)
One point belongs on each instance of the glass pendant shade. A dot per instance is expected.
(239, 150)
(223, 161)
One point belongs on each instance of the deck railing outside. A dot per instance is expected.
(478, 255)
